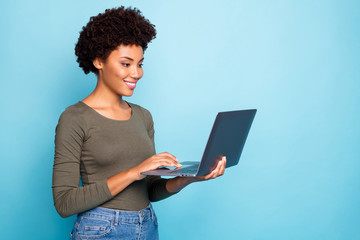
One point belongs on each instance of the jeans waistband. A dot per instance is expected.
(120, 215)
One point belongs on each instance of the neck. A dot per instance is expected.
(104, 98)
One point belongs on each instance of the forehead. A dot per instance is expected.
(131, 51)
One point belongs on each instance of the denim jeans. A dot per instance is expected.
(104, 223)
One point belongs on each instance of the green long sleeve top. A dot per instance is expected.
(92, 147)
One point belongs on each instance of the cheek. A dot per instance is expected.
(122, 73)
(141, 72)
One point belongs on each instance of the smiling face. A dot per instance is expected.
(122, 69)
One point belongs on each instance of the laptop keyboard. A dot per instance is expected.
(189, 170)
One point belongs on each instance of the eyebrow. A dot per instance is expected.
(129, 58)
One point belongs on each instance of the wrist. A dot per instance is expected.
(134, 174)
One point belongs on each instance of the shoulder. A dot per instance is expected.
(74, 111)
(72, 127)
(143, 111)
(74, 115)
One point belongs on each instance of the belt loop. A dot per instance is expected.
(152, 212)
(140, 213)
(116, 217)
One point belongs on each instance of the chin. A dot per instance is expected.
(127, 94)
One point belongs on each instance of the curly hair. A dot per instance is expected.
(106, 31)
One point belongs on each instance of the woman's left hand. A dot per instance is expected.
(176, 184)
(218, 171)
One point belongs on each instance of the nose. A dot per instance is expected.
(136, 73)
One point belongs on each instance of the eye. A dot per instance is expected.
(125, 64)
(141, 65)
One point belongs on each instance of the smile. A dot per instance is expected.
(131, 85)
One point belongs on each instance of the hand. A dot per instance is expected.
(218, 171)
(176, 184)
(155, 161)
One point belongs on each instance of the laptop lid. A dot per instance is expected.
(227, 138)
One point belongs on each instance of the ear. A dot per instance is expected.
(98, 63)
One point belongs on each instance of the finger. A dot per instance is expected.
(223, 166)
(168, 155)
(218, 166)
(167, 163)
(212, 175)
(219, 170)
(176, 163)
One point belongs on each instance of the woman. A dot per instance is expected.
(108, 142)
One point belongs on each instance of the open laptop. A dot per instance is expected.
(227, 138)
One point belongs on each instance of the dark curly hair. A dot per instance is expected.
(106, 31)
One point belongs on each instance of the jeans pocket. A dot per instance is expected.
(93, 228)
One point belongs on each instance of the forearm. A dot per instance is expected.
(175, 185)
(71, 199)
(120, 181)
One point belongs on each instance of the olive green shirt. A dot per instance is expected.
(92, 147)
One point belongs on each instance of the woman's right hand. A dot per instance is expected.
(162, 159)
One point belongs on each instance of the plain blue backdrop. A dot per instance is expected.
(297, 62)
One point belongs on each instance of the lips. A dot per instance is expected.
(131, 85)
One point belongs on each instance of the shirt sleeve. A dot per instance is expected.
(69, 197)
(156, 185)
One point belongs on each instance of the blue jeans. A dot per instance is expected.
(104, 223)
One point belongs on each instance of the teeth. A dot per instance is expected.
(130, 84)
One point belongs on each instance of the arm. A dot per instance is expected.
(120, 181)
(68, 197)
(175, 185)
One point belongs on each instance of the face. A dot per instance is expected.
(121, 71)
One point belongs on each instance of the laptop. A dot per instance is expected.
(227, 138)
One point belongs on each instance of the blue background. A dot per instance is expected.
(297, 62)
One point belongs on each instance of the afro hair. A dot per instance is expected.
(107, 31)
